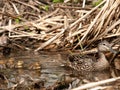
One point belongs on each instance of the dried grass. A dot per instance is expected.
(64, 26)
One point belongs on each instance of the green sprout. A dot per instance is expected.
(95, 3)
(57, 1)
(46, 7)
(17, 20)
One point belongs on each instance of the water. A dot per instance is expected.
(28, 68)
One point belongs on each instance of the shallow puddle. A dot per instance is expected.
(27, 69)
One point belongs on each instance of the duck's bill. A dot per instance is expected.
(113, 51)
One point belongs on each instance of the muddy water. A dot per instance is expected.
(49, 68)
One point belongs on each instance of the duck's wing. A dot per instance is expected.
(81, 63)
(75, 59)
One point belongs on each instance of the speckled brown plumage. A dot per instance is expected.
(86, 63)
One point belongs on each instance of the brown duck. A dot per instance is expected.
(82, 63)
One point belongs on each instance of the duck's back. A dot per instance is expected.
(81, 63)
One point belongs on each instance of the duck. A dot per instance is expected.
(88, 63)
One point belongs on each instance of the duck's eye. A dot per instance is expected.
(104, 44)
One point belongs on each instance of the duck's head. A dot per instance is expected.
(105, 46)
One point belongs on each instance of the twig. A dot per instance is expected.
(50, 41)
(27, 5)
(93, 84)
